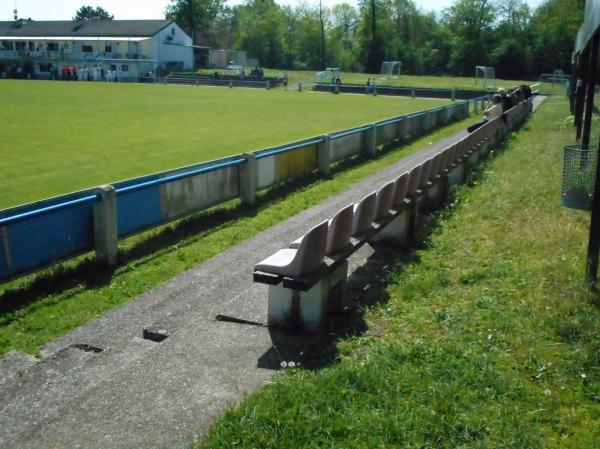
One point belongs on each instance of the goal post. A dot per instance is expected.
(487, 74)
(390, 68)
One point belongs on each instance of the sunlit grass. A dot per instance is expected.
(58, 137)
(489, 339)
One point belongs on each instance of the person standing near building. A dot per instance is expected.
(285, 81)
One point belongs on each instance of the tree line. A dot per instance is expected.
(518, 41)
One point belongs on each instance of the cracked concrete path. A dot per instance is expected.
(138, 393)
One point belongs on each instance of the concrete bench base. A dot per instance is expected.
(400, 231)
(306, 310)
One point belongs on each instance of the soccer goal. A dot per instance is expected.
(487, 75)
(327, 75)
(390, 68)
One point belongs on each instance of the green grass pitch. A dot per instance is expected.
(59, 137)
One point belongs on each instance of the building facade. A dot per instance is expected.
(129, 48)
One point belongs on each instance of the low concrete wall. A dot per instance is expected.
(43, 233)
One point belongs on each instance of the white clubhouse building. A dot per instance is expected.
(131, 47)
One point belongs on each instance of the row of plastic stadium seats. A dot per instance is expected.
(308, 278)
(305, 255)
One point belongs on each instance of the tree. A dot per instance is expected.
(371, 40)
(195, 17)
(470, 22)
(91, 13)
(554, 25)
(261, 31)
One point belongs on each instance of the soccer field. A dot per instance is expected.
(58, 137)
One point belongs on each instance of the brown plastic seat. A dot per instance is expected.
(401, 188)
(415, 180)
(384, 200)
(304, 260)
(426, 173)
(364, 214)
(339, 231)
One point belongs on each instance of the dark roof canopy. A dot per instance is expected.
(88, 28)
(591, 25)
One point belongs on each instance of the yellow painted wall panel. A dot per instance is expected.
(295, 163)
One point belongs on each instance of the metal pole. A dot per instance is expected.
(591, 90)
(594, 240)
(580, 98)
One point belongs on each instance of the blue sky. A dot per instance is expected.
(146, 9)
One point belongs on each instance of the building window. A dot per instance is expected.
(172, 31)
(108, 49)
(87, 48)
(31, 46)
(125, 68)
(113, 67)
(52, 46)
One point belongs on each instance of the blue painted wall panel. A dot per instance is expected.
(138, 210)
(3, 266)
(40, 241)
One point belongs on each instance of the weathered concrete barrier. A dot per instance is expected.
(43, 233)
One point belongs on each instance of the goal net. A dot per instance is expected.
(327, 75)
(390, 68)
(486, 74)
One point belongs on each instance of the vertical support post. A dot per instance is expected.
(268, 84)
(248, 180)
(453, 93)
(591, 90)
(230, 84)
(412, 93)
(581, 89)
(475, 108)
(105, 226)
(594, 239)
(300, 86)
(324, 156)
(371, 140)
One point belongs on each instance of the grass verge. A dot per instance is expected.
(489, 338)
(36, 309)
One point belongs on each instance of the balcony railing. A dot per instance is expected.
(63, 56)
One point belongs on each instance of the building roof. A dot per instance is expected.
(88, 28)
(590, 26)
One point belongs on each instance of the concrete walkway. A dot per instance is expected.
(104, 386)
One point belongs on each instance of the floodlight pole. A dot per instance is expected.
(594, 239)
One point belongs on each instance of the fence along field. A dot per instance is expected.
(43, 233)
(61, 137)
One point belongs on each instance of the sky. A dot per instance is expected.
(148, 9)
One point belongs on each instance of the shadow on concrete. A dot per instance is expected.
(367, 287)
